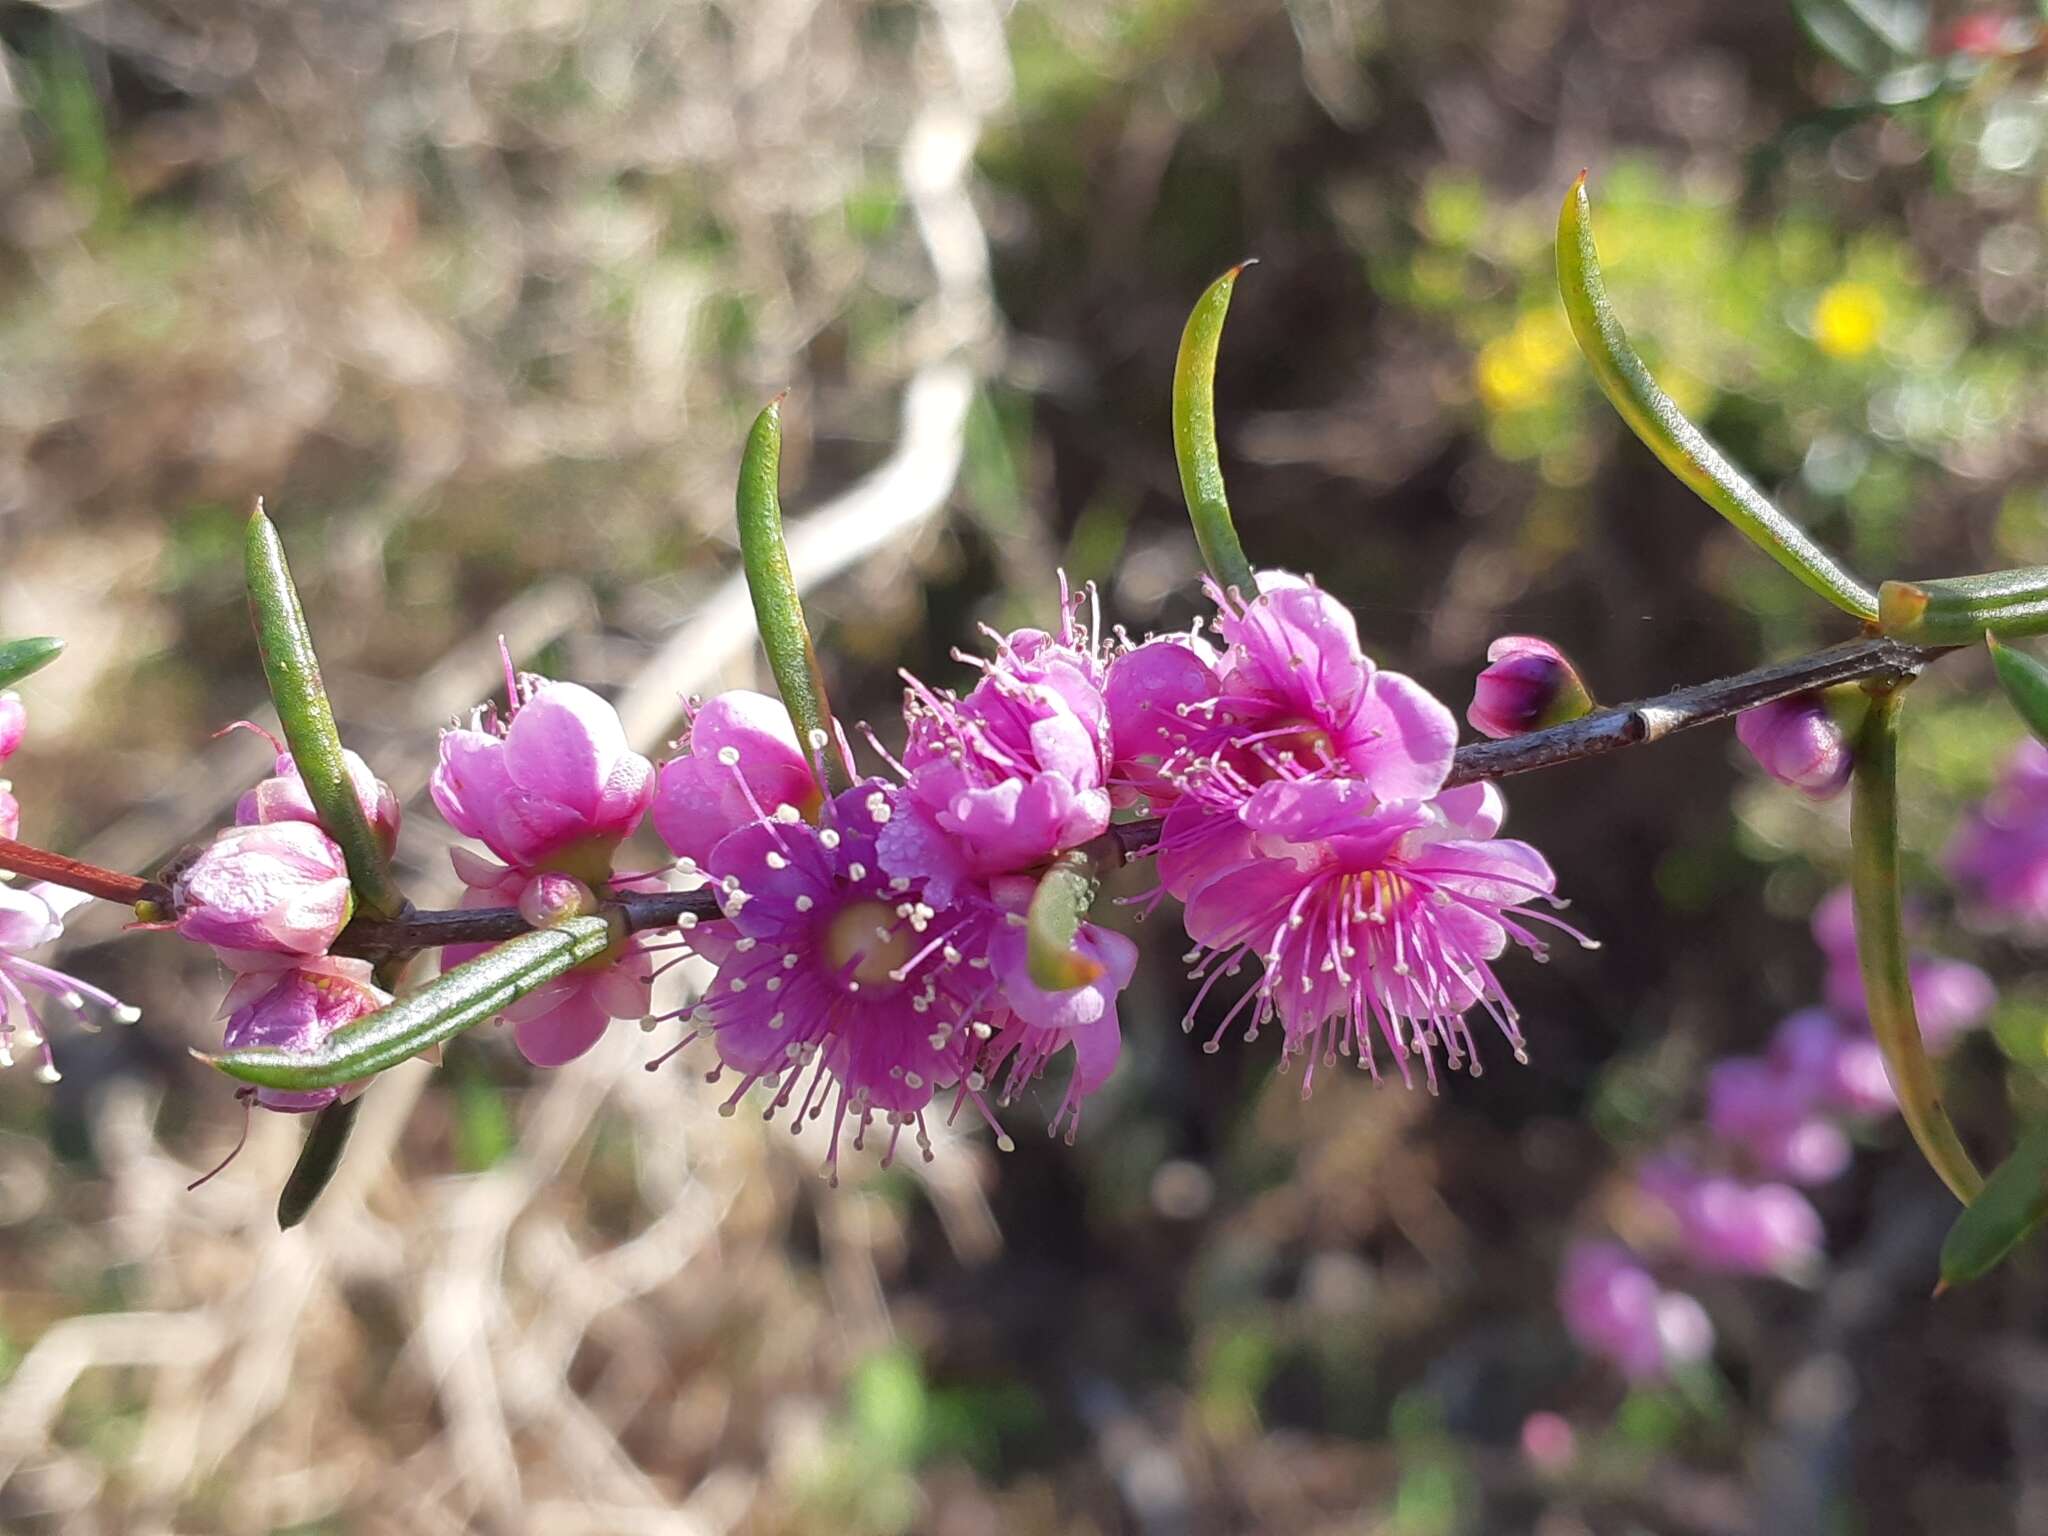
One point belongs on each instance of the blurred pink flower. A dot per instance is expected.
(1616, 1310)
(30, 917)
(1799, 742)
(13, 723)
(1726, 1226)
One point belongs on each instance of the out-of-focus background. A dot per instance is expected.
(480, 296)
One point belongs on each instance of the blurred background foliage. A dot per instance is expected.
(479, 296)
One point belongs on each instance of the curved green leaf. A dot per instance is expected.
(2025, 681)
(21, 658)
(475, 991)
(1194, 439)
(1881, 945)
(293, 671)
(778, 609)
(1681, 446)
(319, 1160)
(1957, 610)
(1065, 893)
(2013, 1203)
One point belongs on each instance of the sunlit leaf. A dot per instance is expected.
(1881, 945)
(1064, 894)
(1960, 610)
(21, 658)
(778, 609)
(293, 671)
(1194, 438)
(2013, 1203)
(1664, 429)
(470, 994)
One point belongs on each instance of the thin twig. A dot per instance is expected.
(1604, 731)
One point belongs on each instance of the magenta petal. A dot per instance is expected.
(569, 1020)
(1296, 643)
(1401, 740)
(1242, 905)
(469, 781)
(1145, 694)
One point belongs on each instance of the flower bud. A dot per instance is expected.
(277, 889)
(1527, 685)
(283, 797)
(297, 1010)
(13, 723)
(552, 898)
(1799, 742)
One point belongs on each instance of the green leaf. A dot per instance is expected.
(472, 993)
(1664, 429)
(293, 672)
(778, 610)
(1194, 439)
(2013, 1203)
(319, 1160)
(2025, 681)
(21, 658)
(1065, 893)
(1867, 37)
(1881, 945)
(1958, 610)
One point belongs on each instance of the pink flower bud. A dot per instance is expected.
(558, 786)
(284, 798)
(296, 1010)
(280, 889)
(549, 899)
(13, 723)
(1527, 685)
(1799, 742)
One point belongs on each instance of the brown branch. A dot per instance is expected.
(1603, 731)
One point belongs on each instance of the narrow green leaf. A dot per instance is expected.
(308, 719)
(1957, 610)
(2025, 681)
(2013, 1203)
(1881, 945)
(20, 658)
(778, 610)
(1681, 446)
(1064, 895)
(319, 1160)
(472, 993)
(1194, 438)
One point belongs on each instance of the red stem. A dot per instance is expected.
(107, 884)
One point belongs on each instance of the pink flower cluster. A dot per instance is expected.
(2000, 854)
(1307, 825)
(1775, 1121)
(30, 918)
(872, 950)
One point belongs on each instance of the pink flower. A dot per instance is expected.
(1039, 1024)
(744, 765)
(2000, 853)
(1001, 781)
(556, 788)
(296, 1010)
(1775, 1115)
(1799, 742)
(31, 917)
(1292, 698)
(1528, 685)
(283, 797)
(838, 982)
(1364, 912)
(1615, 1309)
(1728, 1227)
(561, 1019)
(10, 812)
(13, 724)
(258, 892)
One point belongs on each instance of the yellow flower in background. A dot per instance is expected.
(1516, 371)
(1848, 319)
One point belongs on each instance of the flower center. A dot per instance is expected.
(867, 937)
(1302, 742)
